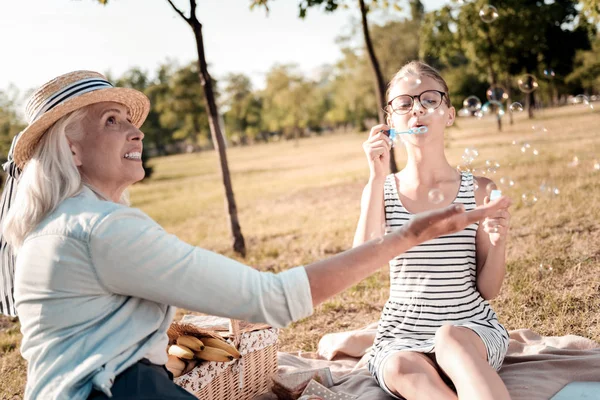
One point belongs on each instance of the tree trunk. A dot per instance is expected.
(530, 101)
(379, 82)
(239, 246)
(492, 74)
(509, 101)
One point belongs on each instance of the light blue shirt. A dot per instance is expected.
(96, 288)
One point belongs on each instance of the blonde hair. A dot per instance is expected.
(49, 178)
(418, 68)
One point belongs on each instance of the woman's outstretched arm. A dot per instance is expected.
(133, 256)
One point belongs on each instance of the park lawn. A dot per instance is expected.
(300, 203)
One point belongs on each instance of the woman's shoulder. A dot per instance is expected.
(76, 216)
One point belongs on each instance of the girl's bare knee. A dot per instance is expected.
(453, 343)
(403, 369)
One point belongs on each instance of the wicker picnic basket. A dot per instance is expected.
(241, 379)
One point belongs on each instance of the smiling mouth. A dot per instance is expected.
(134, 155)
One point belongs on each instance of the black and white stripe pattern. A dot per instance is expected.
(7, 258)
(431, 285)
(73, 90)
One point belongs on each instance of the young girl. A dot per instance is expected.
(437, 329)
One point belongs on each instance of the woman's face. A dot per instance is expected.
(436, 120)
(109, 153)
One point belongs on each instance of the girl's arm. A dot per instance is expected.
(371, 223)
(491, 244)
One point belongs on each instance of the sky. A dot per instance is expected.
(42, 39)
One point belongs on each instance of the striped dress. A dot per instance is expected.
(431, 285)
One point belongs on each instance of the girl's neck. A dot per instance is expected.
(428, 166)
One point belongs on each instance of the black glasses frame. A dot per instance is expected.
(418, 97)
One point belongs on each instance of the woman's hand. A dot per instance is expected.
(332, 275)
(497, 225)
(377, 148)
(429, 225)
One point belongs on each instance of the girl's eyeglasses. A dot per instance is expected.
(429, 100)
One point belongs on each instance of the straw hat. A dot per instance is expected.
(66, 94)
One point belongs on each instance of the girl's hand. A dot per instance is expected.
(497, 225)
(377, 148)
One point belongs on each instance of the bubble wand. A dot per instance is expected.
(393, 134)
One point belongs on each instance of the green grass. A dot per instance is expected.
(299, 204)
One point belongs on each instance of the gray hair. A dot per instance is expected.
(48, 178)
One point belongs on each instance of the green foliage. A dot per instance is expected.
(353, 98)
(332, 5)
(243, 117)
(183, 112)
(586, 73)
(396, 43)
(591, 10)
(286, 105)
(10, 123)
(527, 36)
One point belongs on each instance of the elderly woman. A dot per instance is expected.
(97, 282)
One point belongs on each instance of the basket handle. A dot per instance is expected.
(234, 331)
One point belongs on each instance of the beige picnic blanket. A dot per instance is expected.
(536, 367)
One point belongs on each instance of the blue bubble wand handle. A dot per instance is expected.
(392, 133)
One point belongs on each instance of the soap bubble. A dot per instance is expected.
(411, 80)
(507, 181)
(516, 107)
(549, 73)
(545, 268)
(527, 83)
(492, 166)
(472, 103)
(539, 128)
(469, 155)
(496, 93)
(464, 112)
(463, 168)
(583, 100)
(436, 196)
(547, 188)
(493, 107)
(574, 162)
(488, 13)
(529, 198)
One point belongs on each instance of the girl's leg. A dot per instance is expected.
(462, 355)
(413, 375)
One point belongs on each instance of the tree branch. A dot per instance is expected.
(193, 19)
(182, 15)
